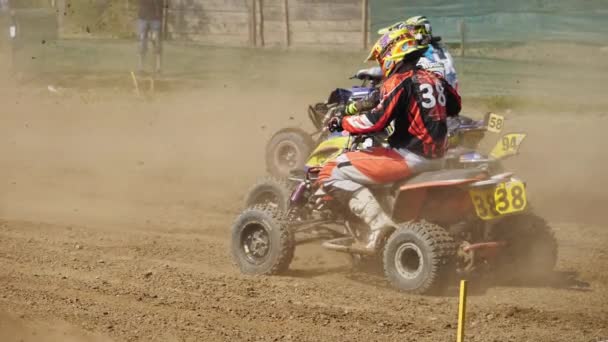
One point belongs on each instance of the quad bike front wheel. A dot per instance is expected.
(261, 242)
(271, 192)
(418, 257)
(288, 150)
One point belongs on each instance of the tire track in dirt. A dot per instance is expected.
(174, 286)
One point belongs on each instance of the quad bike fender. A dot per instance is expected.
(435, 193)
(326, 150)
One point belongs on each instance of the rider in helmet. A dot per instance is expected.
(436, 58)
(379, 49)
(418, 102)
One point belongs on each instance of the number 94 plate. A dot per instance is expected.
(502, 199)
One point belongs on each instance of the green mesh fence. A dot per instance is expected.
(501, 20)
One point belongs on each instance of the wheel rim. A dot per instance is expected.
(286, 156)
(255, 243)
(409, 261)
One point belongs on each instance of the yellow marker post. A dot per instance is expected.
(462, 309)
(135, 83)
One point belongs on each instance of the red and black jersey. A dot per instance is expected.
(419, 102)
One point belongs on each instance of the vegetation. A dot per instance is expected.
(111, 18)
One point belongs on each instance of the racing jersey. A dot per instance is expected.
(418, 102)
(437, 59)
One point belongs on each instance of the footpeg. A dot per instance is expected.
(345, 245)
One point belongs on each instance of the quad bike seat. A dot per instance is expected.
(369, 74)
(444, 177)
(439, 174)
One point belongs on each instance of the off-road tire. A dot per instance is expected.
(531, 251)
(291, 139)
(436, 250)
(281, 241)
(270, 191)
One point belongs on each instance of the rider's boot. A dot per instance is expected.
(366, 207)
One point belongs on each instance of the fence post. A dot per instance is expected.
(13, 31)
(462, 27)
(261, 8)
(252, 24)
(165, 22)
(286, 16)
(364, 22)
(61, 13)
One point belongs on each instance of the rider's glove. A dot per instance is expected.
(351, 109)
(335, 124)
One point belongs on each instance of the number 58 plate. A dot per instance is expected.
(502, 199)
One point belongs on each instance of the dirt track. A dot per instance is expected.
(178, 284)
(115, 218)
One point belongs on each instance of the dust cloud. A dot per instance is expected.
(115, 211)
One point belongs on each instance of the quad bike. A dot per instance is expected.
(463, 219)
(289, 148)
(464, 134)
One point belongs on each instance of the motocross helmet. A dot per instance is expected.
(407, 48)
(384, 43)
(396, 26)
(420, 24)
(419, 27)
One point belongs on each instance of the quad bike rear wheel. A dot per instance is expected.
(262, 244)
(288, 150)
(270, 191)
(531, 251)
(418, 257)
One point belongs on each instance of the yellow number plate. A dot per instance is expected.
(495, 123)
(505, 198)
(508, 145)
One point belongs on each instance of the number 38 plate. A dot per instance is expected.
(505, 198)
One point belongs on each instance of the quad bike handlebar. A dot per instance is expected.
(320, 114)
(335, 111)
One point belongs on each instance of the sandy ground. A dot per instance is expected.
(115, 216)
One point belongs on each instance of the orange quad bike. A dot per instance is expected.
(465, 135)
(466, 218)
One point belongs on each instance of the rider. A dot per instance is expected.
(418, 101)
(387, 39)
(436, 58)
